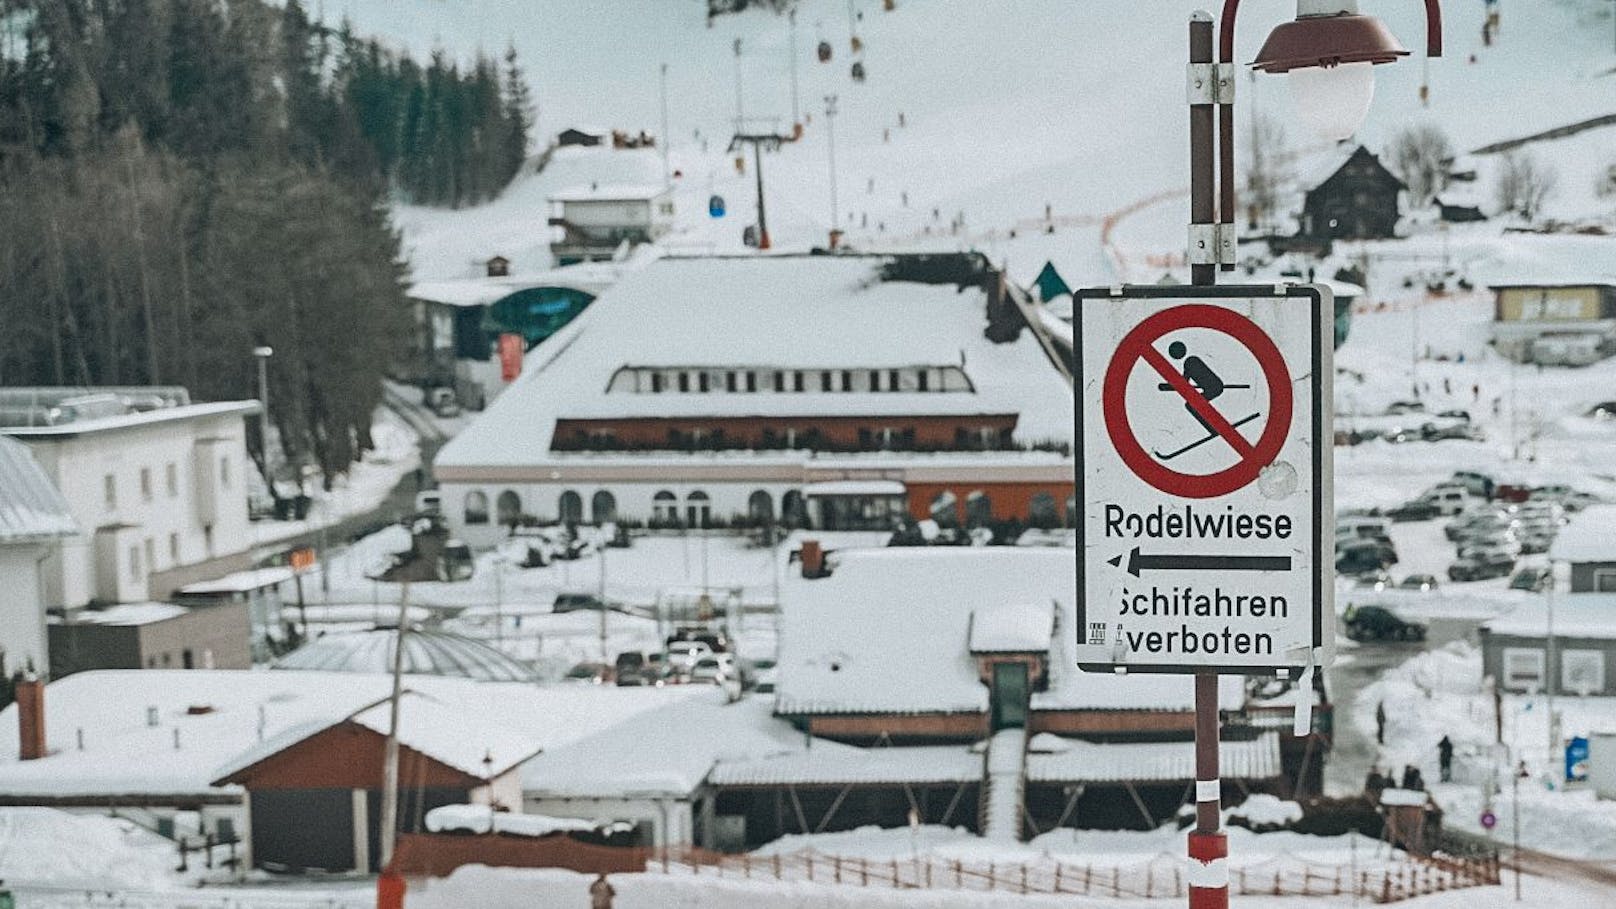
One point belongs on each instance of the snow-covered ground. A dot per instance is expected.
(365, 485)
(1441, 693)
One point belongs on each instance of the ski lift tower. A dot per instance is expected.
(759, 143)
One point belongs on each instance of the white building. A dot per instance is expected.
(161, 495)
(34, 522)
(598, 219)
(730, 389)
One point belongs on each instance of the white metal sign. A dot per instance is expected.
(1204, 470)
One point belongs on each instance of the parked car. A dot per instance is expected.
(577, 601)
(1463, 415)
(591, 673)
(1477, 484)
(1432, 432)
(1605, 410)
(1495, 563)
(1420, 582)
(1377, 623)
(1378, 580)
(1479, 522)
(683, 655)
(1567, 497)
(1357, 557)
(716, 667)
(1401, 407)
(1366, 527)
(635, 669)
(1534, 580)
(1448, 498)
(1495, 547)
(1414, 510)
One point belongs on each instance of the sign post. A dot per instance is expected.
(1204, 413)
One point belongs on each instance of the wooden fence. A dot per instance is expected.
(1384, 881)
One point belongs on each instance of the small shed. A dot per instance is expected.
(314, 792)
(151, 636)
(584, 136)
(498, 267)
(1358, 201)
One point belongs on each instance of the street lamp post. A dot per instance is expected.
(1328, 52)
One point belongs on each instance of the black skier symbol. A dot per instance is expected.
(1210, 385)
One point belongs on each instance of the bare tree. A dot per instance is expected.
(1524, 184)
(1268, 170)
(1421, 156)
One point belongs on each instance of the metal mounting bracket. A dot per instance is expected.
(1210, 83)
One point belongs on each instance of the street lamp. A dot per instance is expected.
(262, 353)
(1329, 52)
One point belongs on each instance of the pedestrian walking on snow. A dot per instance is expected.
(601, 893)
(1380, 723)
(1444, 752)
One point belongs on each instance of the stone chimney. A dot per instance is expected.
(813, 559)
(30, 692)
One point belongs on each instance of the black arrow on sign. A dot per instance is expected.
(1138, 563)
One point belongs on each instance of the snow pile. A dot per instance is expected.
(43, 845)
(1265, 811)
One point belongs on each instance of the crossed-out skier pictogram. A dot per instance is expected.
(1199, 385)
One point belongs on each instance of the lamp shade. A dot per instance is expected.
(1334, 100)
(1314, 41)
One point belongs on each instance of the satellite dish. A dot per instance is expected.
(715, 206)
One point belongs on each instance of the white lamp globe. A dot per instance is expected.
(1333, 100)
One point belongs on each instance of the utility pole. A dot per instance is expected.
(796, 117)
(667, 172)
(389, 812)
(830, 138)
(740, 109)
(759, 141)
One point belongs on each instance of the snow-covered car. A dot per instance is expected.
(1378, 580)
(1567, 497)
(1363, 556)
(1473, 524)
(1488, 546)
(1492, 563)
(1476, 483)
(1448, 498)
(1415, 510)
(683, 655)
(589, 673)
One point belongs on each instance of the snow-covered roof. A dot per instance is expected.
(854, 488)
(477, 744)
(1576, 615)
(249, 709)
(1547, 260)
(128, 614)
(765, 312)
(242, 581)
(136, 420)
(888, 632)
(31, 507)
(1590, 536)
(1118, 762)
(666, 752)
(1012, 628)
(426, 652)
(589, 277)
(610, 192)
(846, 764)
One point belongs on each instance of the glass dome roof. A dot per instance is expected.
(426, 652)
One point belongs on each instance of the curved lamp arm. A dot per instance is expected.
(1231, 9)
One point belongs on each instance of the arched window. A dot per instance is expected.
(792, 510)
(665, 508)
(760, 508)
(508, 507)
(1041, 511)
(603, 507)
(945, 509)
(476, 507)
(570, 508)
(698, 509)
(978, 509)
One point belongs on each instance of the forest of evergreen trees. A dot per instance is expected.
(181, 180)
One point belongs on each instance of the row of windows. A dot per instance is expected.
(171, 483)
(138, 568)
(666, 508)
(644, 380)
(865, 438)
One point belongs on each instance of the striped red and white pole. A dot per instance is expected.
(1208, 875)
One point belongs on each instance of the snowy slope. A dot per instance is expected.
(1076, 105)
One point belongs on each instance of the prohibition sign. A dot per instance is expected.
(1138, 345)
